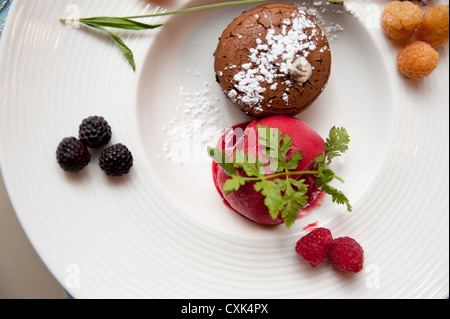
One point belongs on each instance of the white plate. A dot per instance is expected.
(162, 231)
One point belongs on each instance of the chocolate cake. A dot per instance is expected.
(272, 60)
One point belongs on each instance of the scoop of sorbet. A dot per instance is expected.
(247, 201)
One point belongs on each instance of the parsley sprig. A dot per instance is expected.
(276, 177)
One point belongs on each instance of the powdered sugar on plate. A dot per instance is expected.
(197, 127)
(318, 9)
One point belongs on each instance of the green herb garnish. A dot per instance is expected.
(127, 23)
(275, 179)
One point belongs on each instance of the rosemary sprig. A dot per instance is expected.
(127, 23)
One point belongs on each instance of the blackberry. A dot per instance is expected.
(95, 131)
(72, 155)
(116, 160)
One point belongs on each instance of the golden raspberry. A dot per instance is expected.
(401, 19)
(434, 29)
(417, 60)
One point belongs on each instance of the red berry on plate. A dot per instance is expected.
(315, 246)
(346, 255)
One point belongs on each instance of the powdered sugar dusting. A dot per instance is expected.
(197, 127)
(270, 57)
(317, 10)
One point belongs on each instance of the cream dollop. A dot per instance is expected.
(299, 69)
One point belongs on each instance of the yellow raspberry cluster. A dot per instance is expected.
(402, 20)
(434, 28)
(417, 60)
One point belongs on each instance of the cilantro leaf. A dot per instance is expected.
(294, 160)
(219, 156)
(336, 142)
(249, 163)
(272, 140)
(272, 193)
(282, 194)
(269, 137)
(276, 148)
(233, 184)
(293, 199)
(337, 196)
(285, 146)
(325, 175)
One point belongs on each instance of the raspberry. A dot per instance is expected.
(400, 20)
(346, 255)
(417, 60)
(94, 131)
(435, 26)
(116, 160)
(72, 155)
(315, 246)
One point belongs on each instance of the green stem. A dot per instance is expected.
(339, 179)
(288, 173)
(280, 174)
(208, 6)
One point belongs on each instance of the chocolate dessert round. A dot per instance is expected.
(272, 60)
